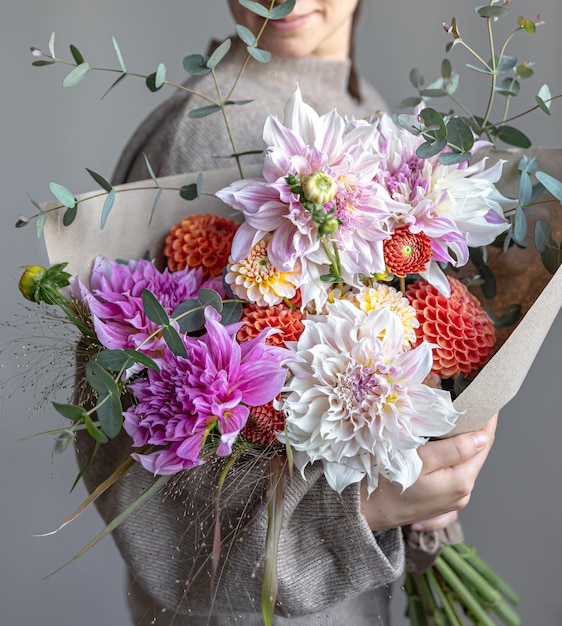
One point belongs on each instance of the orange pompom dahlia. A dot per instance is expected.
(200, 241)
(406, 252)
(264, 422)
(459, 325)
(258, 318)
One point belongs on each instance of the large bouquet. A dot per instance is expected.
(317, 313)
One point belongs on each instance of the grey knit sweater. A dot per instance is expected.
(332, 570)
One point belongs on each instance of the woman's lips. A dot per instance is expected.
(291, 22)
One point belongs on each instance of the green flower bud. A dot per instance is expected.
(30, 282)
(319, 188)
(328, 226)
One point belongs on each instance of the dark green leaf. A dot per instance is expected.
(552, 259)
(174, 341)
(282, 10)
(512, 315)
(509, 87)
(219, 54)
(42, 62)
(433, 93)
(189, 316)
(409, 103)
(543, 235)
(459, 135)
(119, 55)
(76, 75)
(209, 297)
(196, 64)
(429, 149)
(231, 313)
(245, 34)
(189, 192)
(69, 216)
(110, 414)
(452, 158)
(113, 360)
(416, 78)
(542, 105)
(329, 278)
(100, 180)
(204, 111)
(76, 55)
(433, 121)
(489, 286)
(160, 76)
(153, 309)
(552, 185)
(114, 84)
(142, 359)
(107, 206)
(93, 431)
(63, 195)
(520, 225)
(446, 68)
(237, 102)
(70, 411)
(151, 83)
(513, 136)
(491, 11)
(261, 56)
(100, 379)
(255, 7)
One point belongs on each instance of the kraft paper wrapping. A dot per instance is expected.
(129, 234)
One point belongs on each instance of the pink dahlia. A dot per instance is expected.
(189, 399)
(458, 325)
(114, 301)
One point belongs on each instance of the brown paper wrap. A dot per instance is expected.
(128, 234)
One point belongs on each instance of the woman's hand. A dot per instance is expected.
(450, 469)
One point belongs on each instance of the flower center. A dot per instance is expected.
(406, 252)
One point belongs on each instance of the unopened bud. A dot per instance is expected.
(30, 281)
(36, 52)
(328, 226)
(319, 188)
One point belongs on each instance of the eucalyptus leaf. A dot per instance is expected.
(433, 93)
(551, 184)
(481, 69)
(199, 184)
(40, 224)
(446, 68)
(150, 170)
(513, 136)
(529, 26)
(151, 83)
(489, 287)
(245, 34)
(282, 10)
(329, 278)
(52, 45)
(504, 64)
(63, 195)
(155, 204)
(114, 84)
(100, 180)
(512, 315)
(261, 56)
(107, 206)
(69, 215)
(543, 235)
(113, 360)
(416, 78)
(524, 71)
(174, 341)
(459, 135)
(219, 54)
(189, 192)
(409, 103)
(42, 62)
(70, 411)
(543, 99)
(452, 158)
(142, 359)
(452, 84)
(231, 313)
(237, 102)
(93, 431)
(204, 111)
(525, 189)
(209, 297)
(255, 7)
(76, 55)
(100, 379)
(429, 149)
(431, 118)
(189, 316)
(63, 441)
(509, 87)
(110, 414)
(520, 225)
(491, 11)
(119, 55)
(196, 64)
(76, 75)
(153, 309)
(160, 76)
(552, 259)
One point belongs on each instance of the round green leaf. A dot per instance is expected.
(189, 316)
(491, 11)
(459, 135)
(543, 235)
(245, 34)
(282, 10)
(427, 149)
(262, 56)
(255, 7)
(509, 87)
(151, 83)
(452, 158)
(110, 414)
(409, 103)
(446, 68)
(189, 192)
(100, 379)
(434, 122)
(416, 78)
(209, 297)
(524, 71)
(114, 360)
(513, 136)
(196, 64)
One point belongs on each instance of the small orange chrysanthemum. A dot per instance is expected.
(258, 318)
(406, 252)
(200, 241)
(263, 423)
(459, 325)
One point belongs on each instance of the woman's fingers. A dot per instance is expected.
(436, 523)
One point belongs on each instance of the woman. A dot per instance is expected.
(337, 554)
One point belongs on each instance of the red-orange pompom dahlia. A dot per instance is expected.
(459, 325)
(200, 241)
(406, 252)
(263, 423)
(280, 316)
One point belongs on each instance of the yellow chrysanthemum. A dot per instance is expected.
(385, 296)
(255, 279)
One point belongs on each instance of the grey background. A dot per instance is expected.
(52, 134)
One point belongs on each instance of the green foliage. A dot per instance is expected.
(63, 195)
(219, 54)
(76, 75)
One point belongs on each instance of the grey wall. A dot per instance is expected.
(52, 134)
